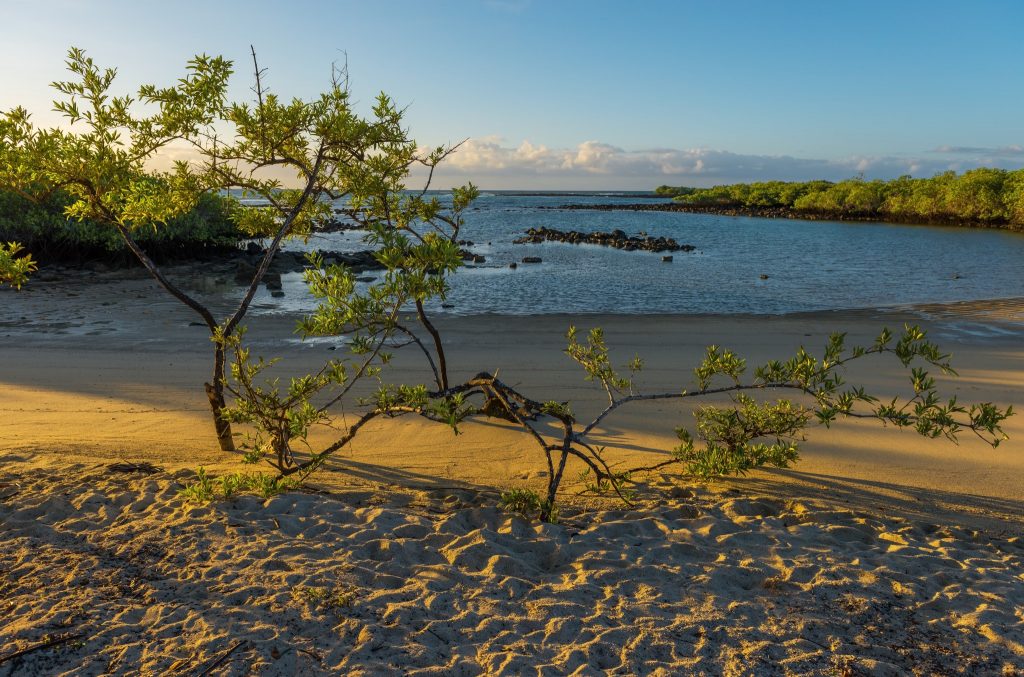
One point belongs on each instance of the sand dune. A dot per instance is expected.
(445, 583)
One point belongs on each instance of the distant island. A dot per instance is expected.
(981, 197)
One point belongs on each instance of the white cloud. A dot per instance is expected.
(492, 162)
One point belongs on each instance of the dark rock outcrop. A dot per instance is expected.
(295, 262)
(617, 239)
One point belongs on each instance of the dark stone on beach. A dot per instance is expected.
(336, 225)
(617, 239)
(296, 262)
(532, 259)
(273, 281)
(358, 262)
(244, 271)
(666, 259)
(277, 294)
(288, 262)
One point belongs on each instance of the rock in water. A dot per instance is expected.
(617, 239)
(244, 272)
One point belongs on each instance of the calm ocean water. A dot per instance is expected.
(811, 265)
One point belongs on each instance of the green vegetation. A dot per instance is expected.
(980, 196)
(338, 598)
(101, 160)
(14, 266)
(527, 503)
(43, 227)
(206, 488)
(673, 191)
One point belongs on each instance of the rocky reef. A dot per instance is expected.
(616, 238)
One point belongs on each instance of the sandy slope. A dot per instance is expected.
(899, 554)
(444, 583)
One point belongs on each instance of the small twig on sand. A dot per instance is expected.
(6, 490)
(315, 656)
(37, 647)
(223, 657)
(147, 468)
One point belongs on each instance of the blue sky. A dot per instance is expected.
(590, 94)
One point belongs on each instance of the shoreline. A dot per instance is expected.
(118, 361)
(787, 213)
(214, 282)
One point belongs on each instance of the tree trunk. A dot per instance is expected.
(215, 393)
(215, 390)
(223, 428)
(442, 363)
(548, 510)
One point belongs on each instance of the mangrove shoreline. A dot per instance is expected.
(787, 213)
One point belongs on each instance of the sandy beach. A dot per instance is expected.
(880, 552)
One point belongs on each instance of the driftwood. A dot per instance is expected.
(56, 641)
(223, 657)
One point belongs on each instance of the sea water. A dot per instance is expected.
(741, 265)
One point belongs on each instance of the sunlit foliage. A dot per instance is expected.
(983, 195)
(15, 265)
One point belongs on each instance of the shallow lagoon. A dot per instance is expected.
(811, 265)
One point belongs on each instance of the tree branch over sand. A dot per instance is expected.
(751, 432)
(725, 439)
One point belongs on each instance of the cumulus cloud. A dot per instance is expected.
(601, 165)
(493, 163)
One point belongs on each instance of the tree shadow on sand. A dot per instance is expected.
(888, 499)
